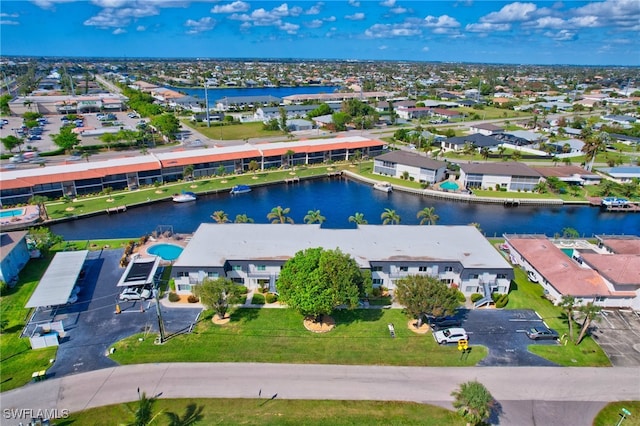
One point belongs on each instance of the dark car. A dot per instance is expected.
(540, 333)
(439, 323)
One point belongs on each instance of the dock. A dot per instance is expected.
(627, 208)
(292, 180)
(118, 209)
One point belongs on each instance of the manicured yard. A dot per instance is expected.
(277, 412)
(360, 337)
(610, 415)
(234, 131)
(17, 359)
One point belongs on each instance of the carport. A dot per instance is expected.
(141, 271)
(58, 280)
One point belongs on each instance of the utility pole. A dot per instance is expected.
(206, 102)
(159, 315)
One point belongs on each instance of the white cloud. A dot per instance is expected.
(119, 31)
(8, 15)
(117, 18)
(316, 23)
(617, 13)
(388, 3)
(315, 9)
(425, 49)
(109, 3)
(405, 29)
(398, 10)
(511, 13)
(141, 28)
(235, 7)
(50, 4)
(329, 19)
(359, 16)
(289, 28)
(8, 22)
(584, 22)
(547, 22)
(354, 3)
(562, 35)
(445, 21)
(201, 25)
(383, 47)
(262, 17)
(486, 27)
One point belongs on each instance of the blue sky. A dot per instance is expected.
(541, 32)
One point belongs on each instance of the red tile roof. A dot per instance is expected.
(620, 269)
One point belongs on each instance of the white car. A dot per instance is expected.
(450, 335)
(135, 293)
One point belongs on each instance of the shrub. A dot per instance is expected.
(271, 297)
(376, 292)
(242, 289)
(4, 288)
(461, 297)
(258, 299)
(193, 298)
(174, 297)
(238, 300)
(495, 296)
(502, 301)
(476, 296)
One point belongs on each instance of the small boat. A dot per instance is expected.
(184, 197)
(383, 186)
(614, 202)
(240, 189)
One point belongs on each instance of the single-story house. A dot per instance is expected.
(299, 124)
(233, 102)
(510, 176)
(292, 111)
(253, 254)
(622, 174)
(620, 119)
(419, 167)
(569, 146)
(486, 129)
(14, 255)
(323, 120)
(574, 175)
(478, 140)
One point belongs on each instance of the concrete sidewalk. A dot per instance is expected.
(528, 395)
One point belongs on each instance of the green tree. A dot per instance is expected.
(283, 119)
(243, 218)
(253, 166)
(143, 414)
(314, 216)
(288, 156)
(219, 216)
(474, 402)
(390, 217)
(4, 104)
(322, 109)
(40, 201)
(428, 216)
(167, 124)
(279, 215)
(315, 281)
(358, 219)
(216, 293)
(66, 139)
(187, 172)
(568, 304)
(10, 142)
(44, 238)
(426, 295)
(590, 312)
(192, 415)
(109, 139)
(340, 120)
(570, 233)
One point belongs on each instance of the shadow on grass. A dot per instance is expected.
(244, 314)
(347, 316)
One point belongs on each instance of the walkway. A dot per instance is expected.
(528, 395)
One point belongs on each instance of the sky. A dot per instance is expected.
(528, 32)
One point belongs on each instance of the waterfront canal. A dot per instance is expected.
(339, 198)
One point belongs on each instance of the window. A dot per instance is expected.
(183, 274)
(376, 269)
(447, 280)
(502, 276)
(473, 276)
(213, 275)
(448, 268)
(261, 267)
(237, 267)
(377, 281)
(422, 269)
(238, 280)
(403, 268)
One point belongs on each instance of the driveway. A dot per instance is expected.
(91, 324)
(503, 333)
(618, 334)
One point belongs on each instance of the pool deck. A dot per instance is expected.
(176, 239)
(29, 216)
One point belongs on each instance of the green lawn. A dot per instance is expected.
(527, 295)
(17, 359)
(360, 337)
(276, 412)
(610, 415)
(234, 131)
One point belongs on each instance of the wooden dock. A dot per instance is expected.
(627, 208)
(292, 180)
(118, 209)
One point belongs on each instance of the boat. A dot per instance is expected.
(240, 189)
(184, 197)
(383, 186)
(614, 202)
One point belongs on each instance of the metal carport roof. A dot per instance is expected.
(58, 280)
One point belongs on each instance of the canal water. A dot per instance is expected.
(339, 198)
(278, 92)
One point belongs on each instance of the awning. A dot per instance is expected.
(58, 280)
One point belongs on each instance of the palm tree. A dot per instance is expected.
(220, 216)
(428, 216)
(484, 152)
(243, 218)
(568, 303)
(358, 219)
(594, 143)
(192, 415)
(590, 312)
(187, 172)
(279, 215)
(314, 216)
(473, 401)
(143, 414)
(390, 217)
(288, 155)
(516, 155)
(501, 150)
(40, 201)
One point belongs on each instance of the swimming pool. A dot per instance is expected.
(11, 213)
(567, 251)
(449, 186)
(165, 251)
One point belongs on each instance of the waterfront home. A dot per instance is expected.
(415, 166)
(477, 140)
(231, 103)
(573, 175)
(14, 255)
(607, 277)
(508, 176)
(253, 254)
(622, 174)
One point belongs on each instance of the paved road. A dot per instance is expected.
(527, 395)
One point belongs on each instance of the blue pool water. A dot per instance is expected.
(567, 251)
(11, 213)
(450, 186)
(165, 251)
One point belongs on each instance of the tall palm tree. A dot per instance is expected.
(40, 201)
(390, 217)
(219, 216)
(590, 312)
(192, 415)
(358, 219)
(484, 152)
(473, 401)
(279, 215)
(428, 216)
(568, 303)
(594, 143)
(143, 414)
(243, 218)
(314, 216)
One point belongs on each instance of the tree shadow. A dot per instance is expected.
(192, 415)
(495, 413)
(244, 314)
(350, 316)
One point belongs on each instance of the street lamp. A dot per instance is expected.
(623, 415)
(206, 103)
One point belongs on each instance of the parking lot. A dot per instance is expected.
(92, 325)
(503, 333)
(618, 334)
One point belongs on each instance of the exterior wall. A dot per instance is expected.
(14, 261)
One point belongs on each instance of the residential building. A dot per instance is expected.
(478, 140)
(253, 254)
(486, 129)
(238, 102)
(14, 255)
(573, 175)
(292, 111)
(509, 176)
(416, 166)
(336, 97)
(622, 174)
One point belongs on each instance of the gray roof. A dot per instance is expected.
(524, 134)
(477, 139)
(231, 100)
(212, 245)
(411, 159)
(9, 240)
(488, 126)
(58, 280)
(140, 271)
(499, 169)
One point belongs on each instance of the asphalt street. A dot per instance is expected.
(526, 395)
